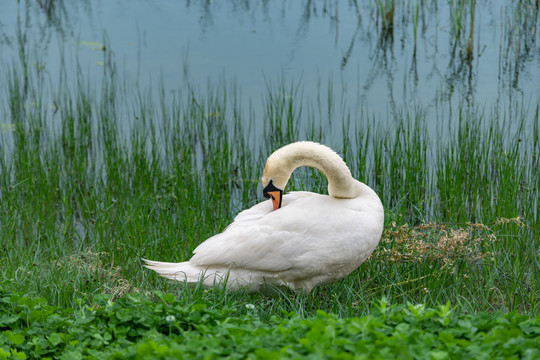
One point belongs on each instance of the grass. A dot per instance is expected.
(92, 179)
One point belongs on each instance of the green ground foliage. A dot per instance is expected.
(166, 328)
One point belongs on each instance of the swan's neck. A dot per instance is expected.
(284, 161)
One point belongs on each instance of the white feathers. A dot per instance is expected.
(312, 239)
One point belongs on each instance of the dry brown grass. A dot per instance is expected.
(517, 220)
(436, 242)
(91, 266)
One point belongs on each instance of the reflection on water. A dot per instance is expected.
(382, 54)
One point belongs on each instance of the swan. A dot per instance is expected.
(299, 240)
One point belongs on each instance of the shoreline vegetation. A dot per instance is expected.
(85, 194)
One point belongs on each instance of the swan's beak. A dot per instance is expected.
(276, 199)
(272, 192)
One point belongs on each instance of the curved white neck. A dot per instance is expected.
(285, 160)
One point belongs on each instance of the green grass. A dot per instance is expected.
(91, 180)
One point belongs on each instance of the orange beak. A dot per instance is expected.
(274, 193)
(276, 199)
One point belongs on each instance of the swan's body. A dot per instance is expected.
(300, 240)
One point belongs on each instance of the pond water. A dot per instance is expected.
(374, 57)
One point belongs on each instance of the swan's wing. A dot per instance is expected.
(251, 240)
(309, 229)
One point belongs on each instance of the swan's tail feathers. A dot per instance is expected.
(206, 276)
(183, 271)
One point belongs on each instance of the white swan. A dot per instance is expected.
(299, 240)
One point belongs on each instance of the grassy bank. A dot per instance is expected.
(92, 179)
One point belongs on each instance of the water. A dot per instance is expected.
(358, 52)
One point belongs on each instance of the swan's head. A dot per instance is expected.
(276, 174)
(272, 192)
